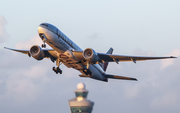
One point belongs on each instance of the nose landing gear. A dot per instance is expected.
(44, 39)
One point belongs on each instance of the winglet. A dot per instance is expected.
(172, 57)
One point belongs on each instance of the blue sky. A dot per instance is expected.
(131, 27)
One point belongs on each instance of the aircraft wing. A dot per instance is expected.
(18, 50)
(122, 58)
(49, 53)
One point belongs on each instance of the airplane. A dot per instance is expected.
(64, 51)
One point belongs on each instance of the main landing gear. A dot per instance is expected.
(57, 70)
(87, 72)
(43, 45)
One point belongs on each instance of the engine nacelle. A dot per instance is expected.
(37, 52)
(90, 55)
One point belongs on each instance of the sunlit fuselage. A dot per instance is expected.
(64, 48)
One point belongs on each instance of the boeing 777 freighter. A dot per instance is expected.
(89, 62)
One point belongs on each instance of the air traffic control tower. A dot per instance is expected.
(80, 104)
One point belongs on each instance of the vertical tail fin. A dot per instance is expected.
(104, 65)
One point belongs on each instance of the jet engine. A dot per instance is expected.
(37, 52)
(90, 55)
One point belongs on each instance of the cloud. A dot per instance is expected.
(131, 92)
(28, 43)
(141, 52)
(169, 100)
(94, 36)
(22, 89)
(157, 88)
(24, 79)
(27, 82)
(24, 83)
(36, 40)
(3, 33)
(168, 62)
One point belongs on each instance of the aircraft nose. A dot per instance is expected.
(46, 29)
(40, 29)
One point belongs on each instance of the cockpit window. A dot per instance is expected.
(45, 25)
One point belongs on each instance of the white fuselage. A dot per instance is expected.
(64, 48)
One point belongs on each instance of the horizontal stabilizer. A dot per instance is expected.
(119, 77)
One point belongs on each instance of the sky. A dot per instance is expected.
(131, 27)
